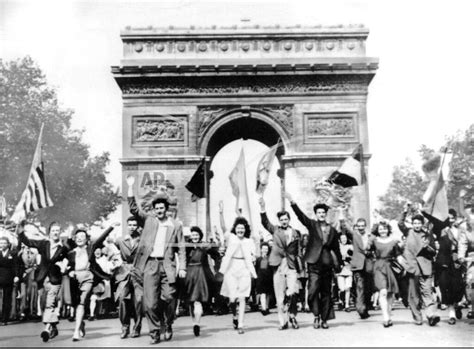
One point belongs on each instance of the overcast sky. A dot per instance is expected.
(421, 93)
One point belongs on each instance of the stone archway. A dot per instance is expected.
(186, 92)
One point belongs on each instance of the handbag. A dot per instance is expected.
(397, 268)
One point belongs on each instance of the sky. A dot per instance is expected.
(421, 93)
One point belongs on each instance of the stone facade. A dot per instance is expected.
(189, 91)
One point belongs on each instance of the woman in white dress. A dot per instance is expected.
(238, 269)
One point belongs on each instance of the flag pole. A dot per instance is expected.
(439, 174)
(208, 201)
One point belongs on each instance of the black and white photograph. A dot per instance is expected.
(238, 173)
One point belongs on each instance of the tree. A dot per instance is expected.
(406, 185)
(76, 181)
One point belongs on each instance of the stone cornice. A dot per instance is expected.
(335, 157)
(244, 31)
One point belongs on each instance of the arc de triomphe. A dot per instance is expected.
(188, 92)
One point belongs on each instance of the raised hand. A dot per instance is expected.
(288, 196)
(221, 206)
(462, 193)
(130, 180)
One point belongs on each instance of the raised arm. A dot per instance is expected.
(100, 241)
(438, 225)
(263, 216)
(401, 223)
(22, 238)
(132, 202)
(305, 220)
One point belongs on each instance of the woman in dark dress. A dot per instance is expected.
(264, 278)
(198, 276)
(386, 249)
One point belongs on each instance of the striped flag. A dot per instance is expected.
(351, 173)
(36, 194)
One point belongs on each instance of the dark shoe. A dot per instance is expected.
(71, 319)
(22, 317)
(125, 333)
(294, 323)
(265, 312)
(324, 325)
(452, 321)
(364, 316)
(236, 323)
(316, 323)
(347, 310)
(386, 324)
(54, 332)
(45, 336)
(75, 339)
(241, 330)
(284, 327)
(196, 330)
(458, 313)
(168, 333)
(91, 318)
(390, 323)
(135, 334)
(433, 320)
(470, 315)
(155, 339)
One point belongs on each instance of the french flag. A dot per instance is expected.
(351, 173)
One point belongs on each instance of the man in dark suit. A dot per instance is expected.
(323, 257)
(129, 290)
(155, 262)
(9, 275)
(361, 264)
(419, 252)
(285, 260)
(52, 252)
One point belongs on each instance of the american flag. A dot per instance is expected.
(36, 194)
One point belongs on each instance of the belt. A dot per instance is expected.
(238, 257)
(156, 258)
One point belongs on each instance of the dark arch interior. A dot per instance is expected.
(246, 128)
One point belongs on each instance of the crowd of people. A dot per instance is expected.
(156, 272)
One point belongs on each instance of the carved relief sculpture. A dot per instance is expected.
(330, 127)
(147, 130)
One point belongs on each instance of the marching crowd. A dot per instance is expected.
(154, 271)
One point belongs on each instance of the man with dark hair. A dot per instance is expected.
(155, 262)
(419, 253)
(323, 258)
(52, 252)
(361, 264)
(286, 263)
(129, 288)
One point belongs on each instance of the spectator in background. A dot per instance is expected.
(344, 278)
(9, 275)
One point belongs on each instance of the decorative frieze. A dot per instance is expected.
(262, 85)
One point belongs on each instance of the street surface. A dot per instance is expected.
(346, 330)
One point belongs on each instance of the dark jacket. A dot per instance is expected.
(361, 257)
(10, 267)
(325, 255)
(47, 266)
(280, 248)
(174, 243)
(94, 267)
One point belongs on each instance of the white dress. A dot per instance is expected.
(237, 268)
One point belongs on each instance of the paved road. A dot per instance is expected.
(345, 330)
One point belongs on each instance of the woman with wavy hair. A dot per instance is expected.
(386, 250)
(238, 269)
